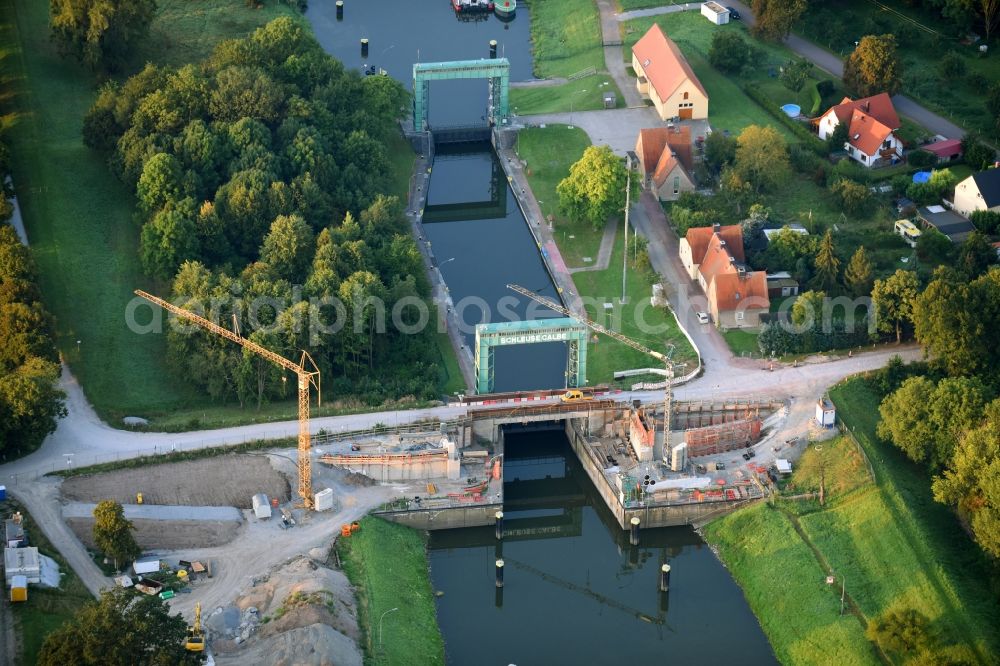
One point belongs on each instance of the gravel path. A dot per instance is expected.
(158, 512)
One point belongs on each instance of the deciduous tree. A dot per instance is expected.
(775, 18)
(289, 247)
(761, 157)
(594, 190)
(101, 32)
(113, 532)
(729, 52)
(874, 66)
(893, 299)
(119, 628)
(975, 255)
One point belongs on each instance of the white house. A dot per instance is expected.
(871, 129)
(980, 191)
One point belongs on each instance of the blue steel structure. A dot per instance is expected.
(564, 329)
(497, 70)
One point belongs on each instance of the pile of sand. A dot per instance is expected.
(300, 613)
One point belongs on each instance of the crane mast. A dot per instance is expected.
(306, 378)
(629, 342)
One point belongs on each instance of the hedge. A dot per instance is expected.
(810, 140)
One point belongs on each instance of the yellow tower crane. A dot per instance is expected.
(668, 393)
(305, 376)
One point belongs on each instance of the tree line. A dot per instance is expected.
(259, 173)
(30, 401)
(945, 413)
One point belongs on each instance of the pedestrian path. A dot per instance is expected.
(604, 253)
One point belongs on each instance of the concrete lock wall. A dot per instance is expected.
(445, 519)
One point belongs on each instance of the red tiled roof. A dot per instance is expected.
(866, 133)
(878, 107)
(663, 63)
(946, 148)
(731, 286)
(699, 239)
(663, 148)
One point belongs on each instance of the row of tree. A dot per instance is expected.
(948, 417)
(258, 174)
(30, 401)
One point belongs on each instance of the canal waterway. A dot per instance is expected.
(574, 591)
(402, 32)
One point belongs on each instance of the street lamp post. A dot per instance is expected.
(380, 624)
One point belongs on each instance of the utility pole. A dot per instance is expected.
(628, 191)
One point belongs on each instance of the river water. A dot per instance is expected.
(575, 591)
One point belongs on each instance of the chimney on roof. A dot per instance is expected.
(867, 105)
(716, 227)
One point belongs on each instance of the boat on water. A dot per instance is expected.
(504, 9)
(472, 5)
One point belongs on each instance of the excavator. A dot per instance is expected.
(196, 637)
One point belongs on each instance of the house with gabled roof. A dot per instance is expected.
(666, 160)
(980, 191)
(714, 257)
(666, 78)
(871, 129)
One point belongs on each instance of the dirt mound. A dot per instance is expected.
(317, 644)
(300, 613)
(229, 480)
(166, 534)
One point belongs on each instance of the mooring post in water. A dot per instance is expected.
(499, 573)
(364, 47)
(499, 525)
(633, 537)
(340, 10)
(498, 598)
(665, 578)
(493, 48)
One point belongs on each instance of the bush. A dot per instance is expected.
(920, 158)
(853, 198)
(975, 153)
(987, 221)
(804, 160)
(849, 169)
(951, 66)
(730, 53)
(794, 74)
(825, 88)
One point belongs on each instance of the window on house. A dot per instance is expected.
(739, 316)
(677, 184)
(685, 95)
(886, 143)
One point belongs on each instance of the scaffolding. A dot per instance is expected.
(721, 438)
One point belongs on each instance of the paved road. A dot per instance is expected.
(834, 65)
(613, 60)
(657, 11)
(617, 128)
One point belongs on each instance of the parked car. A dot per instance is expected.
(733, 14)
(703, 318)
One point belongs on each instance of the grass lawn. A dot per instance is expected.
(583, 94)
(566, 37)
(387, 565)
(785, 587)
(46, 609)
(549, 153)
(961, 100)
(742, 342)
(452, 380)
(901, 547)
(637, 319)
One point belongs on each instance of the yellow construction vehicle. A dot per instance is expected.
(196, 637)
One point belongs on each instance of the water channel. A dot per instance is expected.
(576, 592)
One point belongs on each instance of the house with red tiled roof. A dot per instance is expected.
(871, 129)
(666, 161)
(714, 257)
(665, 76)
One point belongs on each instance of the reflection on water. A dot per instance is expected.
(479, 254)
(574, 591)
(402, 32)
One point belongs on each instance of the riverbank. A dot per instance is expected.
(889, 547)
(387, 565)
